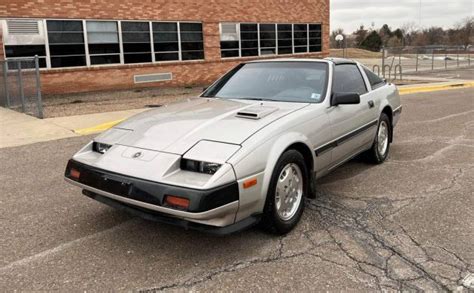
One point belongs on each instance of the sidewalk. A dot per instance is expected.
(20, 129)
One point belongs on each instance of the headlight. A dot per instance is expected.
(199, 166)
(100, 147)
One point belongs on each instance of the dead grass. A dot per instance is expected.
(354, 53)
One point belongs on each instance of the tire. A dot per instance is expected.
(381, 146)
(284, 206)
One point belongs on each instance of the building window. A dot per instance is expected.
(136, 42)
(300, 38)
(66, 43)
(285, 39)
(103, 42)
(315, 44)
(230, 41)
(25, 39)
(192, 45)
(267, 39)
(249, 39)
(165, 40)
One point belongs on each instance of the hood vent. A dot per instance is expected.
(256, 112)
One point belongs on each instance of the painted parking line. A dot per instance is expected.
(403, 91)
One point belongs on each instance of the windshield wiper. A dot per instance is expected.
(259, 99)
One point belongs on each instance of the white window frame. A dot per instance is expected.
(119, 31)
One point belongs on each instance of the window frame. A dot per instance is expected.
(277, 53)
(120, 37)
(369, 84)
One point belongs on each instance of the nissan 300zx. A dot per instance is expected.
(248, 150)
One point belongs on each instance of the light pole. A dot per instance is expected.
(340, 40)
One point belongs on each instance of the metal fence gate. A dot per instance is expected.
(20, 86)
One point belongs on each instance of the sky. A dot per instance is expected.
(350, 14)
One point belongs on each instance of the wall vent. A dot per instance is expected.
(152, 77)
(23, 27)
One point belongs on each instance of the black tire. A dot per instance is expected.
(271, 221)
(373, 155)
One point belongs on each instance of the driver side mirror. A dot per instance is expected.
(345, 99)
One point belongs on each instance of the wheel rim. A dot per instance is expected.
(382, 138)
(289, 191)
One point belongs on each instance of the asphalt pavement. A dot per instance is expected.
(407, 224)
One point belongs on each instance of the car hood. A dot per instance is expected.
(178, 127)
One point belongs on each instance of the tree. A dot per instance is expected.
(360, 35)
(385, 34)
(372, 42)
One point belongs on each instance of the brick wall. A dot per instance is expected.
(210, 12)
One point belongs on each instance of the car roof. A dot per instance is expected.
(325, 60)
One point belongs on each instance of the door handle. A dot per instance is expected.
(371, 104)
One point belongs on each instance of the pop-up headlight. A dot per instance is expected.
(199, 166)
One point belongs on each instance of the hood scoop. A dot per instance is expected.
(256, 112)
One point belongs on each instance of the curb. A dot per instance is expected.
(433, 88)
(97, 128)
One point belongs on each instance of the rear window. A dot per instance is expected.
(374, 80)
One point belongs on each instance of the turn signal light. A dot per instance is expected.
(75, 174)
(175, 201)
(250, 182)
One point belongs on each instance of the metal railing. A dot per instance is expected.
(20, 86)
(415, 59)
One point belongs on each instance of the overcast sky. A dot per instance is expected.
(350, 14)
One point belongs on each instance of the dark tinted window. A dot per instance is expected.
(348, 79)
(279, 81)
(136, 42)
(192, 45)
(374, 80)
(66, 43)
(285, 40)
(249, 39)
(267, 39)
(103, 42)
(165, 38)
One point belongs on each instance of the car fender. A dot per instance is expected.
(263, 159)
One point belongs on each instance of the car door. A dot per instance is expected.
(352, 125)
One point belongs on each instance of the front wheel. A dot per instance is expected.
(381, 146)
(285, 198)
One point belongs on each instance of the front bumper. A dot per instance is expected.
(215, 207)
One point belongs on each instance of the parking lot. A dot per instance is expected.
(406, 224)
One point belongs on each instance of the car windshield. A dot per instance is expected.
(274, 81)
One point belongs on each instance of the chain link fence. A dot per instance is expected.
(20, 86)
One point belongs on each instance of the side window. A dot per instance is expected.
(348, 79)
(374, 79)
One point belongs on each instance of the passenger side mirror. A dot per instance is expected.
(345, 99)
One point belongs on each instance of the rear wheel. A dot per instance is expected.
(381, 147)
(285, 198)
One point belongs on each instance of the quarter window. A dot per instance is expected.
(374, 80)
(348, 79)
(136, 42)
(66, 43)
(103, 42)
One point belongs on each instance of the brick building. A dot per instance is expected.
(88, 45)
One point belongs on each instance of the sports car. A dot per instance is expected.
(248, 150)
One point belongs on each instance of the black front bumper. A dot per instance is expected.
(152, 192)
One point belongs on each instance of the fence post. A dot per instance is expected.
(38, 88)
(445, 58)
(432, 59)
(5, 79)
(416, 64)
(20, 86)
(383, 62)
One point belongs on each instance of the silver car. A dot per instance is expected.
(247, 151)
